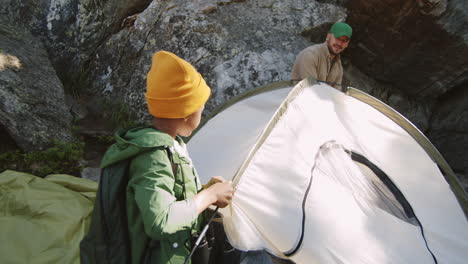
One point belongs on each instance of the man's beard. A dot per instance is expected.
(332, 52)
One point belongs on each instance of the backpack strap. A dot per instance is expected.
(175, 162)
(171, 159)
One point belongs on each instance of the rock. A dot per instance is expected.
(464, 182)
(234, 55)
(71, 30)
(77, 110)
(334, 2)
(416, 112)
(421, 47)
(432, 7)
(91, 173)
(449, 129)
(32, 103)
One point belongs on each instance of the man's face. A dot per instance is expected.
(337, 45)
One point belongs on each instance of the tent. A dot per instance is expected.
(42, 220)
(323, 176)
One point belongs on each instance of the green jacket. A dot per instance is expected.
(161, 214)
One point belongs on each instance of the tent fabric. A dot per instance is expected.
(288, 204)
(43, 220)
(433, 153)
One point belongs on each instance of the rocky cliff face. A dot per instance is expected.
(449, 129)
(32, 102)
(236, 46)
(71, 30)
(410, 54)
(418, 46)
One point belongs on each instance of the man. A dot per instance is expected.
(322, 61)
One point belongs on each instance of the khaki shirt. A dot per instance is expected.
(315, 61)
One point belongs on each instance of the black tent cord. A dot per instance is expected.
(395, 191)
(387, 181)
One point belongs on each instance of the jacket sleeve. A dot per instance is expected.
(152, 182)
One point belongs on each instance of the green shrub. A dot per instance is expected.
(61, 157)
(120, 116)
(107, 139)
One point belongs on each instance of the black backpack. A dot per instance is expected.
(107, 240)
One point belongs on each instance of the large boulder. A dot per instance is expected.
(235, 45)
(420, 47)
(449, 129)
(32, 104)
(417, 111)
(70, 30)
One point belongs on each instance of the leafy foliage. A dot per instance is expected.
(106, 139)
(120, 116)
(61, 157)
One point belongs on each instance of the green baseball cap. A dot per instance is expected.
(341, 29)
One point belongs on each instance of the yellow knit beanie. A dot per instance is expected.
(174, 89)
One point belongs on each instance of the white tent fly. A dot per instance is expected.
(323, 176)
